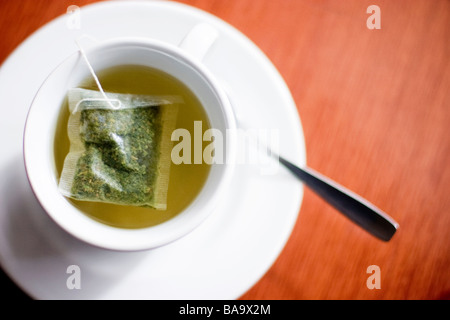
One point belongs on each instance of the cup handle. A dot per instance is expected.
(199, 40)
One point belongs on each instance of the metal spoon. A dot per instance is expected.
(354, 207)
(357, 209)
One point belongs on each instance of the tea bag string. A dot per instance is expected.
(83, 54)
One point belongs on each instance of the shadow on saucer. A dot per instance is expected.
(40, 255)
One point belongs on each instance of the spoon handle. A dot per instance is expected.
(357, 209)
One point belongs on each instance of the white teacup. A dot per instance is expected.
(41, 125)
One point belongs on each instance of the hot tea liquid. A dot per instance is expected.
(186, 180)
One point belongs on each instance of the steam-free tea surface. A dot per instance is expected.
(186, 180)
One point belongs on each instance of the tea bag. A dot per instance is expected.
(119, 148)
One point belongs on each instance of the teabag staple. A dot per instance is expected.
(120, 148)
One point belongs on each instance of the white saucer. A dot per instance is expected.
(221, 259)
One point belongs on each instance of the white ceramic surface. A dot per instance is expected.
(223, 257)
(40, 130)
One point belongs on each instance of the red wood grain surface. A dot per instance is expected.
(375, 109)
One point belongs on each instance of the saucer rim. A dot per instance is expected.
(259, 55)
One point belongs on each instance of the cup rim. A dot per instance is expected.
(121, 239)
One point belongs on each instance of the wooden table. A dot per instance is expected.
(375, 109)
